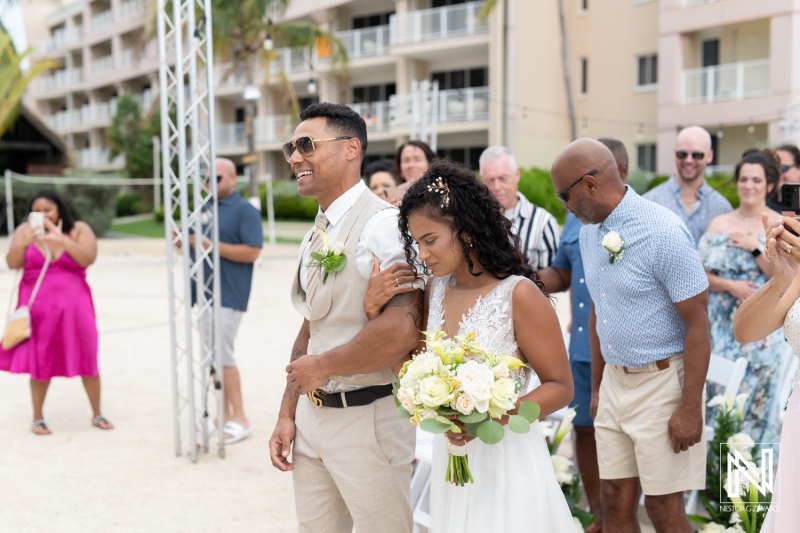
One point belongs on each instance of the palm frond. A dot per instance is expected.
(486, 9)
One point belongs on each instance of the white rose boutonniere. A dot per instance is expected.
(329, 259)
(615, 244)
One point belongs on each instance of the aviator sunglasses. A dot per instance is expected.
(563, 194)
(697, 156)
(305, 145)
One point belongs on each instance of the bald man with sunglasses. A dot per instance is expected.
(686, 193)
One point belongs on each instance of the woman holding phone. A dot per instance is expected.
(732, 252)
(63, 342)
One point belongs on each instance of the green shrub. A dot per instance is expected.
(129, 204)
(536, 186)
(94, 205)
(289, 204)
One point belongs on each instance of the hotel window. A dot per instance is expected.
(646, 156)
(647, 71)
(583, 76)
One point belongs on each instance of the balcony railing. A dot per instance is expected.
(231, 135)
(375, 114)
(689, 3)
(292, 60)
(366, 42)
(238, 77)
(102, 65)
(273, 128)
(59, 80)
(455, 105)
(131, 8)
(437, 23)
(61, 38)
(97, 157)
(734, 81)
(87, 116)
(102, 20)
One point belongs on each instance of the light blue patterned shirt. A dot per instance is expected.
(634, 298)
(710, 203)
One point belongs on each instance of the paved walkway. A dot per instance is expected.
(81, 479)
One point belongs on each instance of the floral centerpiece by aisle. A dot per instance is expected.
(747, 512)
(454, 378)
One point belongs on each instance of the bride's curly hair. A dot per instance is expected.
(473, 213)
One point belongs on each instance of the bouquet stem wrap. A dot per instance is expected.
(457, 465)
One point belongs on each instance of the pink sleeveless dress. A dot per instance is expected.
(64, 330)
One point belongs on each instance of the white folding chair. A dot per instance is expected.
(729, 374)
(421, 480)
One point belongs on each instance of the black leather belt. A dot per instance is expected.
(353, 398)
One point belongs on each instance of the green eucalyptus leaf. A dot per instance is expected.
(490, 432)
(530, 411)
(518, 424)
(472, 429)
(432, 425)
(318, 256)
(402, 412)
(473, 417)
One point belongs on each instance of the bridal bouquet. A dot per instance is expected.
(454, 378)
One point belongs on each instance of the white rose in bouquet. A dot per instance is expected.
(338, 248)
(464, 404)
(422, 365)
(434, 392)
(405, 395)
(561, 466)
(501, 369)
(476, 380)
(425, 413)
(612, 242)
(742, 443)
(503, 394)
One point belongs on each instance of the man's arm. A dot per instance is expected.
(555, 279)
(382, 342)
(238, 253)
(598, 363)
(686, 424)
(280, 444)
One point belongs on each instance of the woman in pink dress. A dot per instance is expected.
(64, 330)
(777, 304)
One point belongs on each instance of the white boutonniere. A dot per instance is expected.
(615, 244)
(328, 259)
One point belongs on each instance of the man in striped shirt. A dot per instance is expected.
(537, 229)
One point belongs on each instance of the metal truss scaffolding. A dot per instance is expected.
(190, 208)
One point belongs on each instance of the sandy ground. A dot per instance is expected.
(82, 479)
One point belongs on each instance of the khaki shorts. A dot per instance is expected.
(632, 436)
(229, 320)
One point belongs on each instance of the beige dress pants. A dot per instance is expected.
(352, 467)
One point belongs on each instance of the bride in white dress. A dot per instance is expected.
(482, 283)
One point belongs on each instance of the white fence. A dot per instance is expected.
(438, 23)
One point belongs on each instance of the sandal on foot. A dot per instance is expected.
(236, 431)
(102, 418)
(40, 424)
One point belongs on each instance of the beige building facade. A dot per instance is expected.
(638, 70)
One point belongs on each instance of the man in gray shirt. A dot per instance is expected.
(686, 193)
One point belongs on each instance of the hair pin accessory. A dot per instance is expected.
(440, 187)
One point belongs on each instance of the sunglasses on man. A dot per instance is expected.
(786, 168)
(305, 145)
(682, 154)
(562, 196)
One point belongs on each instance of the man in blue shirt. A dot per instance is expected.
(566, 273)
(686, 193)
(240, 240)
(649, 339)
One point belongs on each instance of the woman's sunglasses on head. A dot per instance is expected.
(305, 145)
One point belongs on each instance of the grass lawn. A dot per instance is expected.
(151, 228)
(142, 228)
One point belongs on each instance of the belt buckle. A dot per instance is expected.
(315, 398)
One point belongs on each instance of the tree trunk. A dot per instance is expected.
(565, 66)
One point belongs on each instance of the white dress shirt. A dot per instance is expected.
(381, 236)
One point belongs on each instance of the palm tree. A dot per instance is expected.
(13, 81)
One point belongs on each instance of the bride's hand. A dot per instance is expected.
(458, 439)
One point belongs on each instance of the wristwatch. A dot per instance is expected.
(758, 251)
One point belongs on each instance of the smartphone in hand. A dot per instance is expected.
(36, 222)
(790, 202)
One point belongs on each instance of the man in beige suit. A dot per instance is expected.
(352, 454)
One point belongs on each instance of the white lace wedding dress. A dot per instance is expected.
(515, 487)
